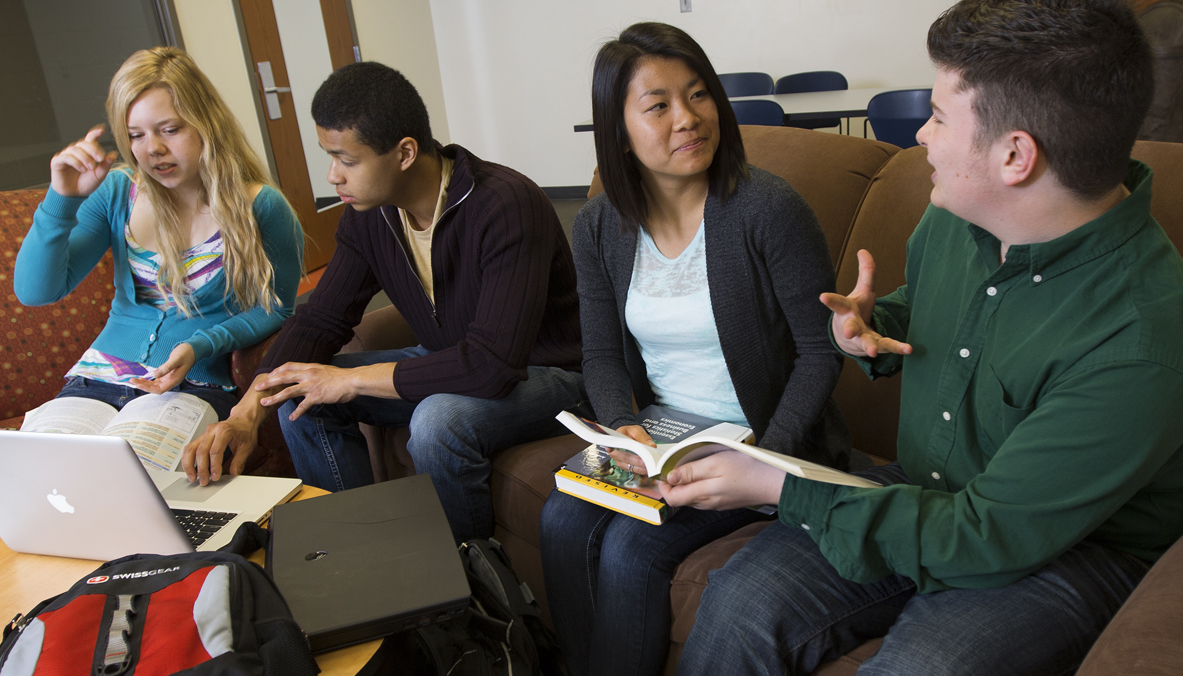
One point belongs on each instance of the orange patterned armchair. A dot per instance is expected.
(39, 344)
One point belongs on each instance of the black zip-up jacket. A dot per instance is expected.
(504, 288)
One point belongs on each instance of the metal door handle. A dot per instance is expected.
(270, 91)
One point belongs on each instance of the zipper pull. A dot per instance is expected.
(17, 624)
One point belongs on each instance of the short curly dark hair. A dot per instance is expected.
(1075, 74)
(377, 102)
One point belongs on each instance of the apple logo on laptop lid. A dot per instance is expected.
(60, 503)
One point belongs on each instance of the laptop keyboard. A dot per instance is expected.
(201, 525)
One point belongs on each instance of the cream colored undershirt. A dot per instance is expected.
(419, 241)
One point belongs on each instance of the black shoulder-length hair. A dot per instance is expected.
(616, 63)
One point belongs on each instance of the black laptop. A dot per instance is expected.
(368, 562)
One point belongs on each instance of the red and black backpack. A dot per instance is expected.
(148, 615)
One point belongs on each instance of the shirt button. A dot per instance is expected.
(152, 337)
(964, 353)
(946, 416)
(936, 475)
(805, 526)
(1037, 278)
(992, 291)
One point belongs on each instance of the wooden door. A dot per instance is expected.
(262, 35)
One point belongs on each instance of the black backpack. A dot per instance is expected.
(500, 633)
(200, 613)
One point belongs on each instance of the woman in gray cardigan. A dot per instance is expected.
(698, 280)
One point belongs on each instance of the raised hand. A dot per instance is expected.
(80, 167)
(852, 316)
(169, 374)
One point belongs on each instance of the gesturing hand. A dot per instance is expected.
(80, 167)
(852, 316)
(169, 374)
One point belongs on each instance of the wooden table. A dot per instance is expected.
(812, 105)
(28, 579)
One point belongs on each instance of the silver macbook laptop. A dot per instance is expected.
(90, 497)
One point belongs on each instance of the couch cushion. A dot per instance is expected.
(38, 345)
(523, 477)
(890, 210)
(1167, 203)
(1143, 638)
(840, 168)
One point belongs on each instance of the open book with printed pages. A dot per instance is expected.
(158, 426)
(667, 456)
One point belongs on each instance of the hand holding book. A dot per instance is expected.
(660, 460)
(725, 480)
(628, 460)
(704, 464)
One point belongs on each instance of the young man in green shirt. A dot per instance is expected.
(1040, 467)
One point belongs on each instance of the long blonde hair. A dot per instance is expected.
(228, 168)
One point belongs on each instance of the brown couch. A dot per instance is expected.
(867, 195)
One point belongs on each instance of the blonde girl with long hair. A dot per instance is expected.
(207, 251)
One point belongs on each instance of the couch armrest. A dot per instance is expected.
(244, 362)
(1143, 638)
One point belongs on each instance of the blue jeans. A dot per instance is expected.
(118, 395)
(452, 436)
(779, 607)
(608, 579)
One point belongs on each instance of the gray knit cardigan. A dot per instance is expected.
(767, 263)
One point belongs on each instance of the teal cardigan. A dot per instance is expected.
(70, 235)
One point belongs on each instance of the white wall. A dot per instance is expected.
(399, 34)
(210, 33)
(517, 74)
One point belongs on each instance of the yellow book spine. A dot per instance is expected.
(612, 494)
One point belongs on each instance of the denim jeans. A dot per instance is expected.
(118, 395)
(778, 606)
(608, 579)
(452, 436)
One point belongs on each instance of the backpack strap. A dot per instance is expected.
(117, 654)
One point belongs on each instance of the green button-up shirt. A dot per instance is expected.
(1042, 405)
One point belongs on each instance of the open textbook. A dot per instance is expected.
(665, 457)
(158, 426)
